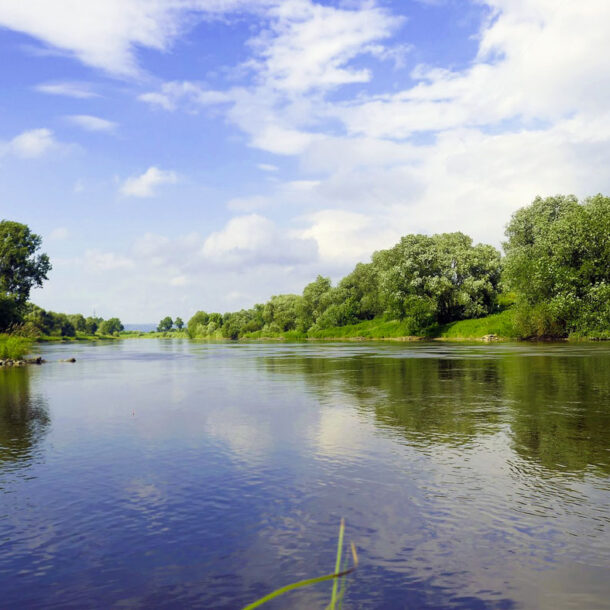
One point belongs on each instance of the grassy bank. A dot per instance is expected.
(140, 334)
(500, 324)
(77, 337)
(14, 348)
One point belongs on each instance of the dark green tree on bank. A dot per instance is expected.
(558, 264)
(21, 269)
(112, 326)
(179, 323)
(165, 325)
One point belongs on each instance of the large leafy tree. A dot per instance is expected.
(438, 278)
(558, 264)
(21, 269)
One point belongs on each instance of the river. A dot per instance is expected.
(177, 474)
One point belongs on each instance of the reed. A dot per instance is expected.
(339, 575)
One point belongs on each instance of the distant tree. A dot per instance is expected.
(21, 269)
(316, 298)
(280, 313)
(197, 324)
(179, 323)
(165, 325)
(78, 321)
(112, 326)
(92, 324)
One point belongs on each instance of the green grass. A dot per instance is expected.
(500, 324)
(153, 334)
(78, 337)
(14, 348)
(378, 328)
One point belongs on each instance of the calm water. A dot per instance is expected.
(171, 474)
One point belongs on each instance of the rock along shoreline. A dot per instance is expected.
(9, 362)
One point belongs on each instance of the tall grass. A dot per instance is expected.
(14, 348)
(501, 324)
(336, 600)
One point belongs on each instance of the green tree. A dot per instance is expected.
(78, 321)
(558, 264)
(179, 323)
(280, 313)
(92, 324)
(21, 269)
(112, 326)
(438, 279)
(316, 298)
(165, 325)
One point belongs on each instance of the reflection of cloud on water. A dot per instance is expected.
(340, 434)
(245, 436)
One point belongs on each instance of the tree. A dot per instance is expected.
(21, 269)
(165, 325)
(438, 279)
(92, 324)
(179, 323)
(112, 326)
(78, 321)
(316, 298)
(558, 264)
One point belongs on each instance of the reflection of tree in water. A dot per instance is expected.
(556, 407)
(23, 420)
(428, 399)
(560, 410)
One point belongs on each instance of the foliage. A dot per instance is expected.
(13, 347)
(21, 269)
(420, 282)
(165, 325)
(49, 322)
(438, 279)
(179, 323)
(558, 264)
(111, 326)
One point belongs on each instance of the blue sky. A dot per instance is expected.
(178, 155)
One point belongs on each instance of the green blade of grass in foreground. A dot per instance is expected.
(333, 598)
(313, 581)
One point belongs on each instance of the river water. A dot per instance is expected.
(177, 474)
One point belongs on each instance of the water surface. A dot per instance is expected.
(176, 474)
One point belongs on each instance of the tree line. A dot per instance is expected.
(22, 268)
(556, 269)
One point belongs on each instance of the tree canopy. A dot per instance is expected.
(558, 264)
(21, 269)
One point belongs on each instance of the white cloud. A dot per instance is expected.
(106, 34)
(73, 89)
(92, 123)
(254, 239)
(176, 92)
(107, 261)
(311, 44)
(59, 233)
(345, 238)
(30, 144)
(267, 167)
(145, 184)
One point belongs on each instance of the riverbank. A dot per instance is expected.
(495, 327)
